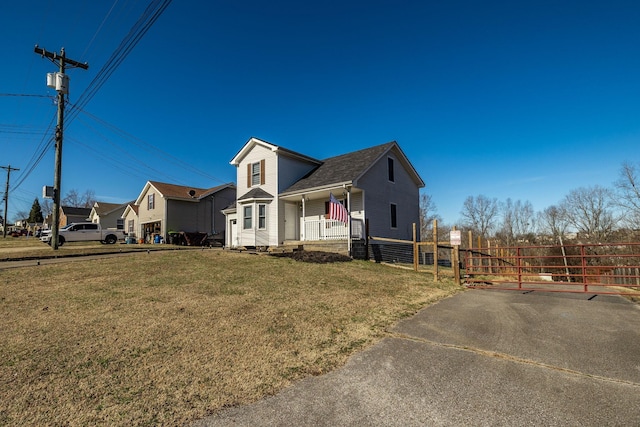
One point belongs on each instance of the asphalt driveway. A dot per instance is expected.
(479, 358)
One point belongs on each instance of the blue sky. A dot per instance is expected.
(520, 100)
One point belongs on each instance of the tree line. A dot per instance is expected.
(593, 214)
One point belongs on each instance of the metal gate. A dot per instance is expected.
(612, 268)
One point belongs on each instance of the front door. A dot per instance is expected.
(290, 221)
(233, 235)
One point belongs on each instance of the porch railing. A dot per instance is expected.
(325, 229)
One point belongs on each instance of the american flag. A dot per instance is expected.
(337, 210)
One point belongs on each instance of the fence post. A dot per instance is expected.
(456, 262)
(416, 261)
(519, 265)
(584, 267)
(435, 250)
(472, 261)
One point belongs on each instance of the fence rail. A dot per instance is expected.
(606, 268)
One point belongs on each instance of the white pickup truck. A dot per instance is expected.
(84, 232)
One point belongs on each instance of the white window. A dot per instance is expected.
(248, 218)
(255, 174)
(392, 176)
(151, 203)
(262, 217)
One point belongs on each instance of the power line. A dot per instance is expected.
(153, 149)
(140, 28)
(146, 20)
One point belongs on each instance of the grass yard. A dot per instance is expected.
(168, 337)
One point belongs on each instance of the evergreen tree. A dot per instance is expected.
(36, 212)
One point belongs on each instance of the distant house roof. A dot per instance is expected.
(130, 208)
(182, 192)
(347, 168)
(103, 208)
(73, 211)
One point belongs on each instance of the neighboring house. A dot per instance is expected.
(283, 196)
(69, 214)
(132, 221)
(165, 208)
(108, 215)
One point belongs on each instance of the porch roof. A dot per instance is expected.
(256, 194)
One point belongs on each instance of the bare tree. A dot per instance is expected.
(517, 221)
(589, 211)
(524, 220)
(628, 192)
(506, 231)
(480, 214)
(427, 215)
(552, 221)
(77, 200)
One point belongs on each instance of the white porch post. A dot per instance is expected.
(349, 220)
(304, 216)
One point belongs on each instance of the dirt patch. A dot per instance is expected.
(317, 257)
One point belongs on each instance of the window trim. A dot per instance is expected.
(262, 216)
(245, 217)
(260, 176)
(151, 201)
(393, 213)
(255, 174)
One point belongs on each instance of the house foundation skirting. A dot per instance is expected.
(358, 247)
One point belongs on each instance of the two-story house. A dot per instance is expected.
(163, 208)
(283, 196)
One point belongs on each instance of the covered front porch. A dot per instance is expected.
(306, 216)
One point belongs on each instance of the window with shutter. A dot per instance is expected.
(255, 174)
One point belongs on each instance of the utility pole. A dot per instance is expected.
(61, 83)
(6, 198)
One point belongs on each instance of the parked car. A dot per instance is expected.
(84, 232)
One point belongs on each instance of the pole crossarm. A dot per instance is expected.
(60, 59)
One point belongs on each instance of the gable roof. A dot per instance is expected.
(103, 208)
(252, 142)
(130, 208)
(180, 192)
(347, 168)
(71, 210)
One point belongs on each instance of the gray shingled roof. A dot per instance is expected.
(71, 210)
(256, 193)
(344, 168)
